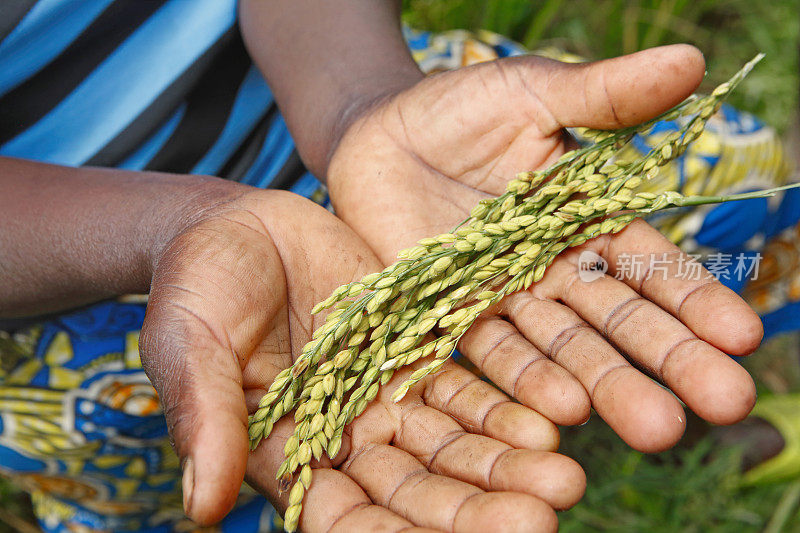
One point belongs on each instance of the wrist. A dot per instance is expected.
(183, 202)
(326, 62)
(78, 235)
(317, 135)
(361, 100)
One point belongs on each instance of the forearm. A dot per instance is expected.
(326, 61)
(69, 236)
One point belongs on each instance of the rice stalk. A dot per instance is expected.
(387, 320)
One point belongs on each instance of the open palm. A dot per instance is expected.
(416, 163)
(229, 308)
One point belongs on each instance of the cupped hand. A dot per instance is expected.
(415, 163)
(230, 307)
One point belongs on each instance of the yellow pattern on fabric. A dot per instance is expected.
(33, 421)
(60, 350)
(39, 423)
(132, 359)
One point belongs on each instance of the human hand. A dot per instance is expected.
(229, 308)
(415, 163)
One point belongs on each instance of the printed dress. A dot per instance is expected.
(81, 428)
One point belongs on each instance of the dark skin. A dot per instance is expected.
(419, 154)
(233, 271)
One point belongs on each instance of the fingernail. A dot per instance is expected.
(188, 485)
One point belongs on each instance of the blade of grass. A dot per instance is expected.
(544, 16)
(655, 31)
(630, 28)
(783, 511)
(16, 523)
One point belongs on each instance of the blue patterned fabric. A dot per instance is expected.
(80, 425)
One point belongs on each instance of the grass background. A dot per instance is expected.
(694, 486)
(729, 32)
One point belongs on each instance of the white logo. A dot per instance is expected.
(591, 266)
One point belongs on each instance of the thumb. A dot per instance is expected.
(617, 92)
(200, 388)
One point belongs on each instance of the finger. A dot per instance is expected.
(396, 480)
(200, 390)
(516, 366)
(713, 385)
(613, 93)
(641, 412)
(711, 310)
(443, 447)
(190, 351)
(334, 502)
(481, 408)
(375, 518)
